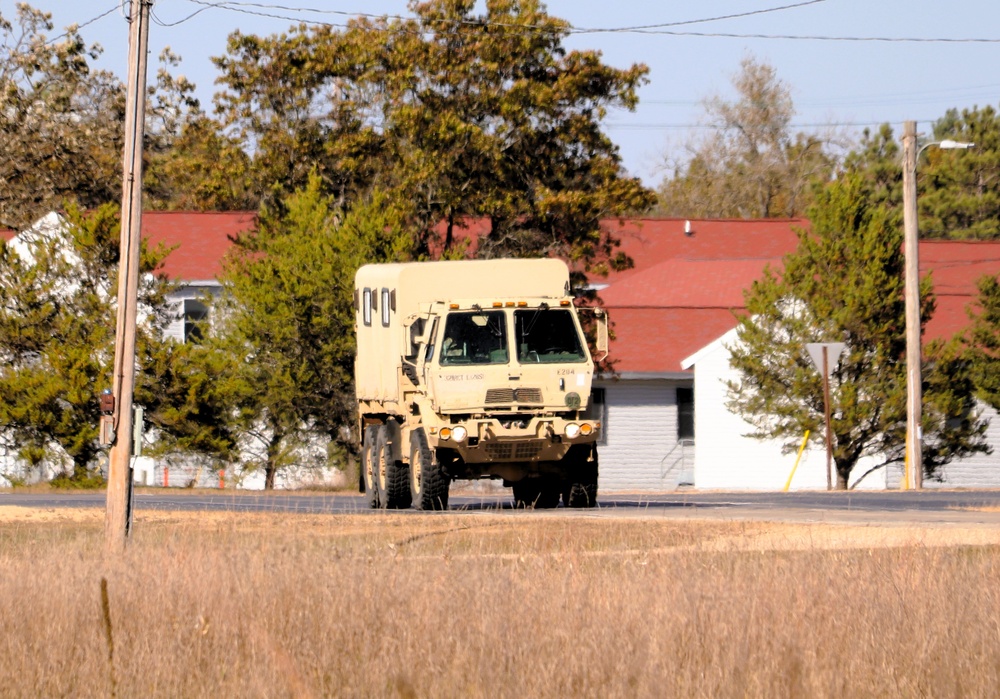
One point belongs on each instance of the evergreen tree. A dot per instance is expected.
(286, 319)
(58, 283)
(57, 324)
(879, 160)
(844, 283)
(983, 341)
(959, 190)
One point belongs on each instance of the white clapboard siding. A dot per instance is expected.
(725, 457)
(978, 471)
(641, 428)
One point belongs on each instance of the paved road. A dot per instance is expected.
(928, 505)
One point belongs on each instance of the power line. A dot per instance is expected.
(655, 29)
(83, 24)
(623, 126)
(701, 21)
(238, 5)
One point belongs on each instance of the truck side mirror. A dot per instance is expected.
(602, 334)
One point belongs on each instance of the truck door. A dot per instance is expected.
(427, 344)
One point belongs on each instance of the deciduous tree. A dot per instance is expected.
(751, 165)
(60, 121)
(455, 113)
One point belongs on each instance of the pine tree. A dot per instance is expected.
(286, 319)
(57, 333)
(844, 283)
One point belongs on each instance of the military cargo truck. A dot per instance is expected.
(474, 369)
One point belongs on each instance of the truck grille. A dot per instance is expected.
(505, 451)
(514, 395)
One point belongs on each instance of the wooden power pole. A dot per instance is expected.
(116, 519)
(914, 433)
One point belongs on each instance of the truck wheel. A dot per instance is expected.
(390, 475)
(429, 480)
(526, 492)
(536, 493)
(368, 465)
(581, 484)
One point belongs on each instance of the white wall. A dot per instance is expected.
(978, 471)
(641, 430)
(726, 459)
(724, 456)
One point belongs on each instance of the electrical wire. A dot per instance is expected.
(657, 29)
(624, 126)
(84, 24)
(235, 5)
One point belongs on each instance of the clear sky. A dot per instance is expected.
(940, 55)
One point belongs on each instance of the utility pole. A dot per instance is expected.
(914, 432)
(116, 519)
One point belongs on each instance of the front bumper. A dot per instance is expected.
(515, 438)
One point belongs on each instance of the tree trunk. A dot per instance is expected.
(273, 452)
(842, 479)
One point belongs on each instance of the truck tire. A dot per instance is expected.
(536, 493)
(370, 439)
(580, 489)
(429, 480)
(391, 477)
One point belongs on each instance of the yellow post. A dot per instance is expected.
(797, 459)
(906, 469)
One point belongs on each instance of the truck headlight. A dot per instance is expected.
(572, 430)
(457, 434)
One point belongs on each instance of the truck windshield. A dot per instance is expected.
(478, 337)
(547, 335)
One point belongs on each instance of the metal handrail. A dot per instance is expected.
(683, 445)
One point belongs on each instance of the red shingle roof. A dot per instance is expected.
(681, 283)
(668, 308)
(202, 239)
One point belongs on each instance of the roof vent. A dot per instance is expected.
(687, 228)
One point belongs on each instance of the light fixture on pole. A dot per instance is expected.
(914, 431)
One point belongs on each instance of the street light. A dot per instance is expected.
(914, 431)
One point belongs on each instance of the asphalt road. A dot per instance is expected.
(927, 506)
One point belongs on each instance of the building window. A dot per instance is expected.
(598, 410)
(685, 413)
(195, 320)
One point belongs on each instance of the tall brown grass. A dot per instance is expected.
(487, 606)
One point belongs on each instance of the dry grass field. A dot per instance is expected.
(494, 605)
